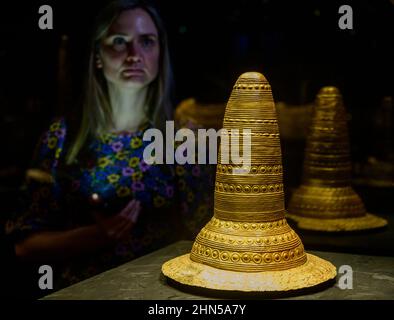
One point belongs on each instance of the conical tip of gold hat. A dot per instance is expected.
(329, 90)
(252, 80)
(252, 76)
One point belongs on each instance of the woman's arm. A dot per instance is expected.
(47, 246)
(61, 245)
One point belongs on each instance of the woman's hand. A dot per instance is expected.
(44, 246)
(118, 227)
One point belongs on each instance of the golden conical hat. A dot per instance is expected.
(326, 200)
(248, 245)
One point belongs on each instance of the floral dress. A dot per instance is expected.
(175, 199)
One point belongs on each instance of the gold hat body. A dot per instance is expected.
(248, 245)
(326, 201)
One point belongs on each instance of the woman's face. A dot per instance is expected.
(130, 50)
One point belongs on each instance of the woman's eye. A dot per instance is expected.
(147, 42)
(119, 43)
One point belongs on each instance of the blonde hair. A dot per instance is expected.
(96, 108)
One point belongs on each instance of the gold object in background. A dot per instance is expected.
(39, 175)
(326, 201)
(189, 113)
(248, 246)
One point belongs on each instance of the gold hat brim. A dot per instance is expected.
(313, 272)
(366, 222)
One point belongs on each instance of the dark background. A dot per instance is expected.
(297, 45)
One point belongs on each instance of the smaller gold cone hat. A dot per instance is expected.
(248, 246)
(326, 201)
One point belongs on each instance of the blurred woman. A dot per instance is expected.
(95, 202)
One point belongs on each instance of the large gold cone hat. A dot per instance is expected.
(326, 201)
(248, 246)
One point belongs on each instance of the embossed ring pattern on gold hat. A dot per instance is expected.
(248, 246)
(326, 201)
